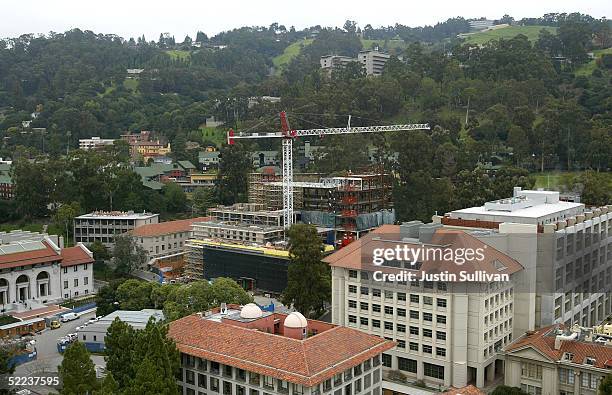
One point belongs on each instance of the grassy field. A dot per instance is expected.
(532, 33)
(130, 84)
(289, 53)
(587, 69)
(219, 137)
(179, 54)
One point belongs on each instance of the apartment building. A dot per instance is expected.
(36, 269)
(559, 360)
(245, 351)
(373, 62)
(95, 143)
(165, 238)
(447, 332)
(102, 226)
(565, 248)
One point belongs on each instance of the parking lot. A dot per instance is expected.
(48, 358)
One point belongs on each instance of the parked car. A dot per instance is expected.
(91, 321)
(69, 317)
(55, 324)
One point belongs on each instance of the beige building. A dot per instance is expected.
(165, 238)
(373, 62)
(237, 232)
(94, 143)
(104, 225)
(558, 361)
(447, 332)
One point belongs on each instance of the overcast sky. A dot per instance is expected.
(132, 18)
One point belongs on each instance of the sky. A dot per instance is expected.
(133, 18)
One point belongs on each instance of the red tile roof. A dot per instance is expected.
(543, 340)
(358, 254)
(75, 256)
(307, 362)
(467, 390)
(26, 258)
(164, 228)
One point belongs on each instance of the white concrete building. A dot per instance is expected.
(104, 225)
(37, 271)
(373, 62)
(447, 332)
(94, 143)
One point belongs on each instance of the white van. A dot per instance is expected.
(69, 317)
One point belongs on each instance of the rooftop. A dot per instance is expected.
(302, 361)
(116, 215)
(559, 344)
(168, 227)
(136, 319)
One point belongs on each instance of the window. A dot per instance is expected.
(65, 270)
(348, 374)
(364, 306)
(388, 294)
(352, 319)
(76, 268)
(268, 382)
(227, 388)
(85, 281)
(352, 304)
(298, 389)
(376, 308)
(227, 370)
(240, 374)
(414, 330)
(327, 385)
(441, 302)
(214, 384)
(401, 328)
(435, 371)
(427, 300)
(566, 376)
(189, 377)
(76, 282)
(85, 266)
(388, 310)
(352, 273)
(401, 312)
(386, 360)
(365, 291)
(440, 335)
(65, 284)
(414, 298)
(441, 319)
(407, 365)
(401, 296)
(364, 275)
(427, 332)
(401, 344)
(413, 346)
(363, 321)
(427, 349)
(532, 390)
(352, 289)
(427, 317)
(254, 378)
(376, 323)
(414, 314)
(202, 380)
(531, 370)
(441, 352)
(388, 325)
(338, 379)
(214, 367)
(376, 292)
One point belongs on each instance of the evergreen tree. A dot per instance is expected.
(119, 340)
(232, 179)
(308, 279)
(605, 387)
(77, 371)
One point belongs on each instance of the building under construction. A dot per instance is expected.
(266, 189)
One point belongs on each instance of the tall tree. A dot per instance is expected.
(232, 179)
(77, 371)
(119, 339)
(308, 279)
(128, 255)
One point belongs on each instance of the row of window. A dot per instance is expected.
(388, 325)
(76, 282)
(410, 366)
(76, 268)
(401, 312)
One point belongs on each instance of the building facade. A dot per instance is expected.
(373, 62)
(102, 226)
(558, 360)
(244, 351)
(447, 332)
(94, 143)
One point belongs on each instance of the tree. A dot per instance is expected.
(99, 250)
(108, 387)
(308, 279)
(174, 197)
(135, 294)
(119, 339)
(605, 387)
(128, 255)
(202, 199)
(517, 139)
(77, 371)
(507, 390)
(228, 291)
(232, 179)
(596, 188)
(64, 217)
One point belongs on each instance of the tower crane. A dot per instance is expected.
(287, 135)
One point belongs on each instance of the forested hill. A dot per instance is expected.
(538, 105)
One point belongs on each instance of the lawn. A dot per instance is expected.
(219, 137)
(130, 84)
(532, 33)
(587, 69)
(556, 179)
(289, 53)
(179, 54)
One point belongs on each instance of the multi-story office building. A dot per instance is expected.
(246, 351)
(331, 62)
(165, 238)
(36, 269)
(447, 332)
(558, 360)
(373, 62)
(565, 248)
(104, 225)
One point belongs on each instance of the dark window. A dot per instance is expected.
(407, 365)
(386, 360)
(435, 371)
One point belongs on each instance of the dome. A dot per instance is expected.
(296, 320)
(250, 311)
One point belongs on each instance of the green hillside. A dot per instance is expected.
(587, 69)
(289, 53)
(391, 44)
(532, 33)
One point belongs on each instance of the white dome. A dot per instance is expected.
(296, 320)
(250, 311)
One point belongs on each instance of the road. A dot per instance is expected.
(48, 358)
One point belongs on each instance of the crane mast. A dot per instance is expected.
(286, 134)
